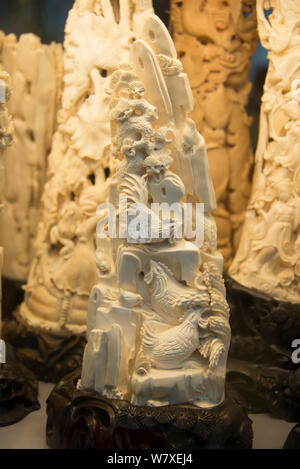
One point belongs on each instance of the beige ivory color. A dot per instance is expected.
(6, 139)
(63, 271)
(215, 40)
(268, 258)
(158, 330)
(36, 75)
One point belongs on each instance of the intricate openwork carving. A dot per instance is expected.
(268, 258)
(215, 40)
(158, 330)
(63, 270)
(36, 76)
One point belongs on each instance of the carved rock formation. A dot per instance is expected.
(158, 323)
(215, 40)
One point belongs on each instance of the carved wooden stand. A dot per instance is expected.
(48, 356)
(81, 419)
(18, 391)
(13, 296)
(261, 367)
(293, 440)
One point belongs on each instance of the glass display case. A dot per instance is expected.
(150, 224)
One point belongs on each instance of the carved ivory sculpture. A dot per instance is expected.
(36, 72)
(158, 330)
(6, 138)
(268, 258)
(63, 271)
(215, 40)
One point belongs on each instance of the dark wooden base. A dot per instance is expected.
(293, 440)
(48, 356)
(266, 389)
(12, 297)
(256, 315)
(81, 420)
(260, 367)
(18, 391)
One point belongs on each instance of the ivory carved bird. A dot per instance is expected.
(171, 299)
(169, 349)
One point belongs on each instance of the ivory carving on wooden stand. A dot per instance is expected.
(18, 388)
(36, 74)
(63, 272)
(6, 139)
(215, 40)
(158, 330)
(268, 258)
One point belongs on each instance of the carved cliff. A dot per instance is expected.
(158, 324)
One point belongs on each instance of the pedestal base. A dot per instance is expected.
(18, 391)
(48, 356)
(81, 420)
(266, 389)
(260, 367)
(293, 440)
(12, 297)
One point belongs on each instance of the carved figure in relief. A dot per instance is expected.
(215, 40)
(98, 37)
(158, 330)
(268, 256)
(36, 76)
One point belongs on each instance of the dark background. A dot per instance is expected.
(47, 19)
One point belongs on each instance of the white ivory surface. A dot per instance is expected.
(63, 271)
(158, 330)
(268, 258)
(36, 75)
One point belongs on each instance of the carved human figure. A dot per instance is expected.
(97, 38)
(215, 40)
(158, 330)
(268, 256)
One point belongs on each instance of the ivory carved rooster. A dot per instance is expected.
(171, 348)
(171, 299)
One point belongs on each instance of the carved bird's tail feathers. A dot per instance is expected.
(217, 350)
(149, 338)
(205, 347)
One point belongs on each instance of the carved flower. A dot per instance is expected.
(266, 287)
(128, 148)
(286, 277)
(297, 268)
